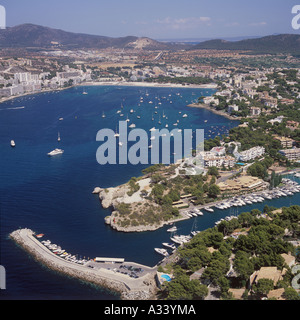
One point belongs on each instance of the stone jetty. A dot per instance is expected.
(141, 288)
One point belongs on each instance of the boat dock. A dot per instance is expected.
(131, 280)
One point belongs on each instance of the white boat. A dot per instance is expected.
(58, 137)
(169, 245)
(103, 115)
(131, 111)
(209, 209)
(84, 92)
(163, 252)
(55, 152)
(132, 125)
(184, 116)
(173, 229)
(12, 143)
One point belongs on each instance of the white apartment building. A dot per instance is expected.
(291, 154)
(252, 153)
(211, 160)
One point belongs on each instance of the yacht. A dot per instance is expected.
(55, 152)
(173, 229)
(184, 116)
(163, 252)
(12, 143)
(209, 209)
(169, 245)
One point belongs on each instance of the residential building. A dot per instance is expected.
(211, 160)
(233, 108)
(286, 143)
(251, 154)
(243, 184)
(255, 111)
(291, 154)
(218, 151)
(271, 273)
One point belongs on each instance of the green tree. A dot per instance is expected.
(213, 191)
(263, 286)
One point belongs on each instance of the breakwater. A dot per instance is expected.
(142, 288)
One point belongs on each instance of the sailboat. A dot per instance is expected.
(58, 137)
(117, 134)
(103, 115)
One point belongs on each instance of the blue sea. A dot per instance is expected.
(53, 195)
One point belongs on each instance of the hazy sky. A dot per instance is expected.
(158, 19)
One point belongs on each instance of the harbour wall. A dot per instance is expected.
(129, 289)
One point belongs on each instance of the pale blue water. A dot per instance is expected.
(54, 195)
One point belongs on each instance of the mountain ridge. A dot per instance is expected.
(282, 43)
(35, 36)
(31, 35)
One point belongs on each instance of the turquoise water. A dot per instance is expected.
(54, 195)
(165, 276)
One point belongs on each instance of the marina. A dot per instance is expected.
(56, 195)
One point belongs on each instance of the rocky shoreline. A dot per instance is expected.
(206, 107)
(143, 289)
(111, 197)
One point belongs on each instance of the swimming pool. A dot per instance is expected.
(165, 276)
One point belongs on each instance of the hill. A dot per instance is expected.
(30, 35)
(282, 43)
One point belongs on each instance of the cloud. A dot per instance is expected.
(232, 24)
(258, 24)
(184, 23)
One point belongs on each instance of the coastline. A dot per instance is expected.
(150, 84)
(220, 113)
(114, 83)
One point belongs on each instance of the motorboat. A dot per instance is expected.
(173, 229)
(12, 143)
(169, 245)
(163, 252)
(55, 152)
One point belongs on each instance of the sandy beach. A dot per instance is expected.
(148, 84)
(114, 83)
